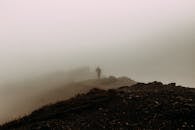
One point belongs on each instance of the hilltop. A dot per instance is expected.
(140, 106)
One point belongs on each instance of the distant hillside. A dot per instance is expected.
(74, 88)
(21, 98)
(141, 106)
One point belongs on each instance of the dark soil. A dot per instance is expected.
(141, 106)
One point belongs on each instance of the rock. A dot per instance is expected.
(172, 84)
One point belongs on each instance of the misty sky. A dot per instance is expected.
(143, 39)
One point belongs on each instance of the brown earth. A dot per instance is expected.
(141, 106)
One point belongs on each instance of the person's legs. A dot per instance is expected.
(98, 75)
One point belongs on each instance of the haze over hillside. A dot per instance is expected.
(20, 98)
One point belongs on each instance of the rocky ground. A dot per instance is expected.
(141, 106)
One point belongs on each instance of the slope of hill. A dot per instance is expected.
(25, 95)
(141, 106)
(19, 99)
(72, 89)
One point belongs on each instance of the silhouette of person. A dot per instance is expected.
(98, 71)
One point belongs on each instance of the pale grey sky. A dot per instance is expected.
(143, 39)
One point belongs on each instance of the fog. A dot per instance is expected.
(151, 40)
(144, 40)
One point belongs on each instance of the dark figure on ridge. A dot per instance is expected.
(98, 71)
